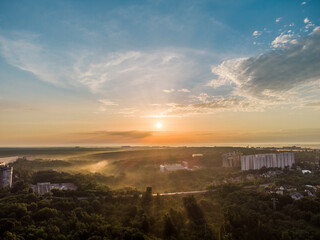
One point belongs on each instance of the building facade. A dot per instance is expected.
(171, 167)
(45, 187)
(231, 159)
(5, 175)
(268, 160)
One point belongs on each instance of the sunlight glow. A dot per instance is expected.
(159, 125)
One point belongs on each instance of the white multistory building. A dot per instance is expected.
(172, 167)
(5, 175)
(268, 160)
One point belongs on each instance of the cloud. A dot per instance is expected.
(308, 23)
(107, 102)
(124, 134)
(128, 71)
(256, 33)
(276, 75)
(110, 137)
(283, 40)
(313, 104)
(303, 3)
(169, 90)
(206, 106)
(218, 82)
(277, 20)
(113, 73)
(203, 97)
(130, 134)
(23, 51)
(184, 90)
(227, 72)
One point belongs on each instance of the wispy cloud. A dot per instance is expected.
(23, 51)
(106, 103)
(107, 72)
(159, 70)
(206, 104)
(278, 20)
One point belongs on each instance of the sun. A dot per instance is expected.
(159, 125)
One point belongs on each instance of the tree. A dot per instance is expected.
(45, 214)
(193, 210)
(169, 230)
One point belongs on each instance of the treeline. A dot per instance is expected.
(230, 212)
(255, 215)
(24, 215)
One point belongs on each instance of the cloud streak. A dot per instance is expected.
(26, 53)
(205, 104)
(106, 73)
(167, 138)
(123, 134)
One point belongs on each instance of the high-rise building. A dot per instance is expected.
(5, 175)
(231, 159)
(268, 160)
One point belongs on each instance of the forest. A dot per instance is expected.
(98, 210)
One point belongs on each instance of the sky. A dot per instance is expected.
(159, 72)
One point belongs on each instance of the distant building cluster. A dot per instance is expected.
(171, 167)
(5, 175)
(189, 164)
(231, 159)
(45, 187)
(257, 161)
(268, 160)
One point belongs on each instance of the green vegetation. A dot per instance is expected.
(106, 206)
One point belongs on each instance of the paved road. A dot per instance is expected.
(183, 193)
(140, 195)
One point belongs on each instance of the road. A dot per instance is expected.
(140, 195)
(182, 193)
